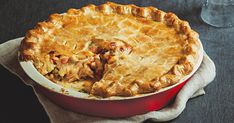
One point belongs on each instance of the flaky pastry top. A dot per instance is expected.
(112, 49)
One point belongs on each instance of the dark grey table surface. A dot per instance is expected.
(19, 104)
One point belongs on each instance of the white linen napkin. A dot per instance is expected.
(193, 88)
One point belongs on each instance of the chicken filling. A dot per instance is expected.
(88, 66)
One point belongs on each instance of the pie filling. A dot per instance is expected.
(112, 49)
(88, 66)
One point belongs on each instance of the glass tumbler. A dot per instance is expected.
(218, 13)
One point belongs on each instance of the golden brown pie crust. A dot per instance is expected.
(112, 49)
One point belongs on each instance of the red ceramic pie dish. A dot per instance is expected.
(112, 107)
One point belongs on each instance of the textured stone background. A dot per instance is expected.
(19, 104)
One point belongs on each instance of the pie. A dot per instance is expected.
(112, 49)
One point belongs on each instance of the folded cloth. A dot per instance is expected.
(193, 88)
